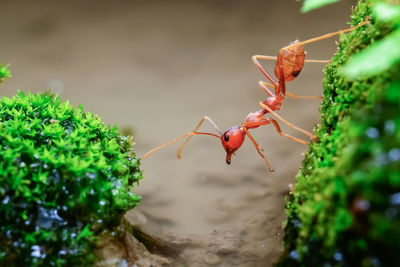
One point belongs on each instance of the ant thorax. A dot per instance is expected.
(255, 116)
(274, 102)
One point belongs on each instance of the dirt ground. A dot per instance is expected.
(157, 67)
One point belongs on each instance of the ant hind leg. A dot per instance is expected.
(326, 36)
(312, 136)
(275, 123)
(304, 96)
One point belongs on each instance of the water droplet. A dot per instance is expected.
(48, 217)
(23, 205)
(8, 234)
(338, 256)
(34, 165)
(91, 175)
(394, 154)
(6, 200)
(294, 254)
(372, 133)
(390, 127)
(395, 199)
(36, 251)
(362, 205)
(376, 262)
(296, 223)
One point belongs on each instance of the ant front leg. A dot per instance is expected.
(245, 126)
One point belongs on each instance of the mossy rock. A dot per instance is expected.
(64, 178)
(344, 209)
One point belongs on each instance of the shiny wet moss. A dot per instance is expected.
(64, 177)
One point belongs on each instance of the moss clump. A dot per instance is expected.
(345, 207)
(64, 177)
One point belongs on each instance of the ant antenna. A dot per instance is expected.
(195, 129)
(177, 139)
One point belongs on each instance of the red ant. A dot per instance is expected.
(289, 63)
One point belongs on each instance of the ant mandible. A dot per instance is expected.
(289, 63)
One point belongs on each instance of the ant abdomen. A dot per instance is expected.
(292, 62)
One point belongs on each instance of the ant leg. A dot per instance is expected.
(256, 145)
(306, 60)
(312, 136)
(304, 96)
(265, 86)
(275, 123)
(195, 129)
(325, 36)
(255, 60)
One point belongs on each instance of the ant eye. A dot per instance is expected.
(226, 137)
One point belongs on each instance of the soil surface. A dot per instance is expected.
(156, 68)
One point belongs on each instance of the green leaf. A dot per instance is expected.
(85, 233)
(314, 4)
(377, 58)
(387, 13)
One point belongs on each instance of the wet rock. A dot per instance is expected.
(211, 259)
(125, 250)
(140, 255)
(111, 252)
(225, 242)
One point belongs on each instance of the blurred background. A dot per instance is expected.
(156, 68)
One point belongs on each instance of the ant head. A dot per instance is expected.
(231, 141)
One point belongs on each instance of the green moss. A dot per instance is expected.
(345, 205)
(4, 72)
(64, 178)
